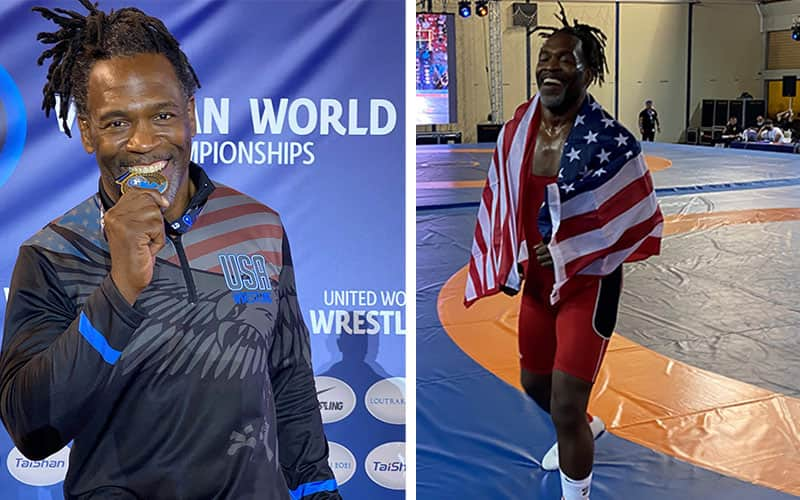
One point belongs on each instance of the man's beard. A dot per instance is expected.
(559, 104)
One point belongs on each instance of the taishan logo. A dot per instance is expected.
(386, 465)
(47, 472)
(246, 276)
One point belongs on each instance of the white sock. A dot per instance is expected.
(573, 489)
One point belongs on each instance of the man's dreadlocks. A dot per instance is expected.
(593, 42)
(83, 40)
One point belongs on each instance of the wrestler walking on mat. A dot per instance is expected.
(582, 203)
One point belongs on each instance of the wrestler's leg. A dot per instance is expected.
(537, 352)
(568, 410)
(584, 326)
(537, 348)
(538, 387)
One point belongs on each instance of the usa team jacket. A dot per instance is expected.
(202, 389)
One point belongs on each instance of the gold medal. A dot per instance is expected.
(154, 181)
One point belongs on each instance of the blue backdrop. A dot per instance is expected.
(302, 107)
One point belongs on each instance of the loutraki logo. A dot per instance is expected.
(13, 125)
(386, 400)
(246, 276)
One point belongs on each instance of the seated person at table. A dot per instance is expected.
(732, 131)
(770, 133)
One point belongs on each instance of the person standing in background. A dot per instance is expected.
(648, 122)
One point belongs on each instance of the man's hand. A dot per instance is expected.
(135, 230)
(543, 255)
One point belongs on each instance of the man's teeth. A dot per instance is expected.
(551, 80)
(148, 169)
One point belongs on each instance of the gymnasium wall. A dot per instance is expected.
(653, 50)
(727, 52)
(726, 59)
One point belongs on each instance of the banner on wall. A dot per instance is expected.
(301, 107)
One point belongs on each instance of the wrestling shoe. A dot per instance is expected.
(550, 460)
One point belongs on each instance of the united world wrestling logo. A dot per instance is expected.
(13, 125)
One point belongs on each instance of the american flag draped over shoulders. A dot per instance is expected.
(601, 212)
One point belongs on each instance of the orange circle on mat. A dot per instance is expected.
(648, 398)
(656, 163)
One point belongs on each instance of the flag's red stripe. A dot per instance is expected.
(225, 240)
(222, 192)
(499, 222)
(479, 229)
(629, 238)
(479, 239)
(488, 198)
(649, 247)
(615, 206)
(475, 278)
(230, 213)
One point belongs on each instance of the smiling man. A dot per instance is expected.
(568, 187)
(156, 325)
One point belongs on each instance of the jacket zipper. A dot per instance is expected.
(187, 272)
